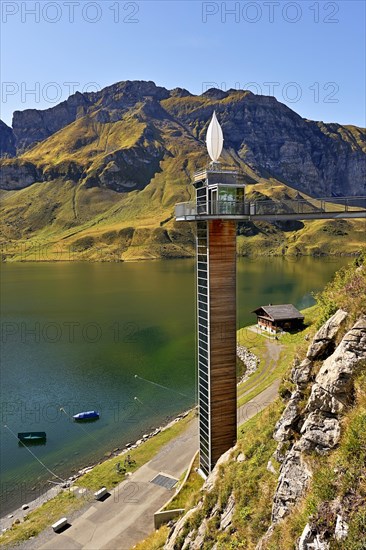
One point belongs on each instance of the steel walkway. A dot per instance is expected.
(271, 210)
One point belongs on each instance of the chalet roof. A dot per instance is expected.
(280, 312)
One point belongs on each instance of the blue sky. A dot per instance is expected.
(309, 55)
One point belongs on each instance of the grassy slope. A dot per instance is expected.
(51, 221)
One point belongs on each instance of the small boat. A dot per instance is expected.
(32, 437)
(86, 415)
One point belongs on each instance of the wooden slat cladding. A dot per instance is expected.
(222, 280)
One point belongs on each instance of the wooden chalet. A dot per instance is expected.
(284, 317)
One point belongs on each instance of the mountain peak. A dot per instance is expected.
(215, 93)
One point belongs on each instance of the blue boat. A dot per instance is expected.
(86, 415)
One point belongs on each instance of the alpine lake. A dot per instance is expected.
(118, 338)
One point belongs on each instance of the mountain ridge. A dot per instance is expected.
(128, 153)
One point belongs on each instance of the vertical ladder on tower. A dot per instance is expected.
(203, 321)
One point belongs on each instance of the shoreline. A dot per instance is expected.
(342, 254)
(17, 515)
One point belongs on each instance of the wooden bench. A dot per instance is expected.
(59, 524)
(100, 494)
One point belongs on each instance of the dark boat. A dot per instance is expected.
(32, 437)
(87, 415)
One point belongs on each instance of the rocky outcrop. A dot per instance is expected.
(294, 477)
(323, 343)
(319, 432)
(316, 426)
(332, 391)
(18, 174)
(301, 373)
(325, 337)
(288, 423)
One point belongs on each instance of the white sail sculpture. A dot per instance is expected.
(214, 139)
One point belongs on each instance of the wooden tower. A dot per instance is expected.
(219, 198)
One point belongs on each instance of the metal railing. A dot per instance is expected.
(215, 168)
(270, 208)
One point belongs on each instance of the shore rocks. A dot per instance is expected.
(250, 360)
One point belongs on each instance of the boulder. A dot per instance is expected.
(319, 433)
(293, 480)
(301, 373)
(333, 388)
(289, 419)
(326, 335)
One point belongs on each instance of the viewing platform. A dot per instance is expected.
(268, 210)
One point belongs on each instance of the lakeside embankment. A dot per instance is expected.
(251, 363)
(19, 514)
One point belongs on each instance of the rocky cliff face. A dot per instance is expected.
(318, 427)
(18, 174)
(271, 139)
(320, 159)
(7, 141)
(33, 126)
(307, 426)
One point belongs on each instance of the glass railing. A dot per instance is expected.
(270, 208)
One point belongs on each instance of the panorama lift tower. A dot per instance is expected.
(219, 205)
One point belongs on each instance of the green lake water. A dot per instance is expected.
(118, 338)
